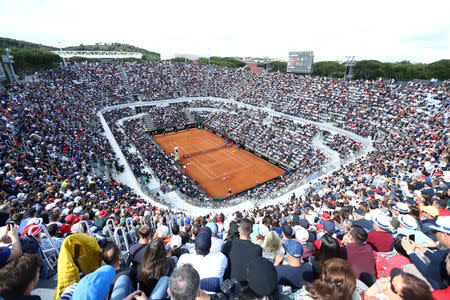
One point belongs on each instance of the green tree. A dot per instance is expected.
(329, 68)
(278, 66)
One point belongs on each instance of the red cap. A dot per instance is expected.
(102, 213)
(70, 218)
(325, 217)
(34, 232)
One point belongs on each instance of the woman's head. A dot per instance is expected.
(329, 248)
(398, 245)
(410, 287)
(153, 260)
(272, 242)
(337, 282)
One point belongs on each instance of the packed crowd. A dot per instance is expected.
(378, 228)
(344, 145)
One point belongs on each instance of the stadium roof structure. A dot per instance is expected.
(99, 54)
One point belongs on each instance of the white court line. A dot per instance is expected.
(244, 164)
(200, 168)
(238, 159)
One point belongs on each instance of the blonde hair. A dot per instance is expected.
(272, 242)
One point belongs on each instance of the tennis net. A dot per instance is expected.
(186, 155)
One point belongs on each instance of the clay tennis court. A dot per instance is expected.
(243, 170)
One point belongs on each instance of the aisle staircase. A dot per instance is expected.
(191, 119)
(126, 84)
(148, 123)
(178, 92)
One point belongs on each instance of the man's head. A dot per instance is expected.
(184, 283)
(441, 230)
(301, 234)
(111, 254)
(203, 241)
(30, 213)
(20, 276)
(245, 228)
(430, 212)
(294, 249)
(359, 214)
(175, 229)
(144, 233)
(358, 234)
(163, 231)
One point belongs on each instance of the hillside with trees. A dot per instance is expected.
(31, 57)
(146, 55)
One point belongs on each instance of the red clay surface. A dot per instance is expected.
(243, 170)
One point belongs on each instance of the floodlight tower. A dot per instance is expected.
(64, 60)
(8, 61)
(349, 64)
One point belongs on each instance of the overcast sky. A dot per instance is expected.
(393, 30)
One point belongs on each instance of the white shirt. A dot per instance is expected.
(216, 244)
(211, 265)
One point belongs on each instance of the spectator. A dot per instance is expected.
(95, 285)
(358, 253)
(408, 226)
(399, 285)
(337, 282)
(19, 277)
(9, 236)
(216, 243)
(184, 284)
(112, 256)
(294, 273)
(154, 266)
(272, 248)
(329, 248)
(380, 239)
(436, 276)
(240, 252)
(208, 264)
(137, 251)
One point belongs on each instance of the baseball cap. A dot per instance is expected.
(175, 241)
(102, 213)
(35, 231)
(203, 240)
(431, 210)
(262, 277)
(70, 218)
(325, 217)
(328, 226)
(360, 212)
(304, 223)
(294, 248)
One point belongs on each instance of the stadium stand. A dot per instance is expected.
(63, 210)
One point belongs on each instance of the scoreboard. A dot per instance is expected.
(300, 62)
